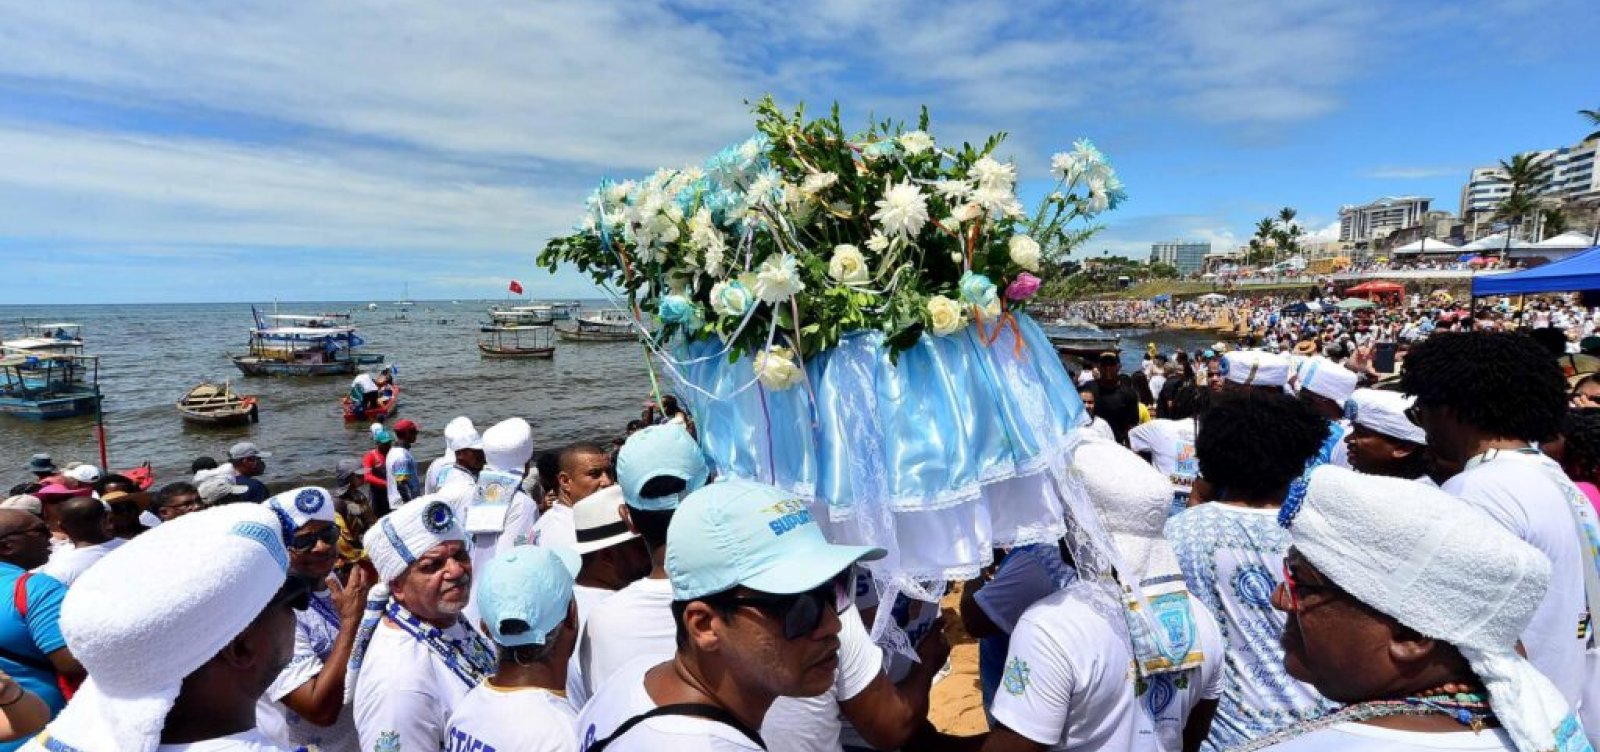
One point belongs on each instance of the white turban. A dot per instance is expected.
(139, 624)
(398, 540)
(1329, 379)
(1384, 412)
(1133, 500)
(460, 434)
(299, 506)
(508, 445)
(1440, 567)
(1255, 368)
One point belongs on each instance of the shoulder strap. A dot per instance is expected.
(691, 709)
(19, 594)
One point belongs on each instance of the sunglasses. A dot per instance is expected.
(801, 614)
(308, 541)
(1296, 588)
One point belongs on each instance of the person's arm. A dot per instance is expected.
(888, 715)
(320, 699)
(368, 475)
(22, 713)
(1199, 725)
(1003, 739)
(404, 471)
(67, 666)
(44, 611)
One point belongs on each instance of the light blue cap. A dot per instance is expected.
(524, 593)
(738, 532)
(667, 449)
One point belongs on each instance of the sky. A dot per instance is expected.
(165, 151)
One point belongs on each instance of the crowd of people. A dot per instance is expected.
(1308, 554)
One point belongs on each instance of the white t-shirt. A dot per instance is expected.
(1171, 447)
(812, 724)
(587, 599)
(1518, 492)
(1068, 681)
(315, 630)
(624, 697)
(66, 564)
(526, 719)
(244, 741)
(635, 622)
(556, 528)
(364, 383)
(442, 472)
(401, 468)
(1368, 738)
(405, 693)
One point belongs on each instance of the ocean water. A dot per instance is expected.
(150, 355)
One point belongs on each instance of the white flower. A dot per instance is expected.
(616, 193)
(1013, 209)
(730, 298)
(1024, 252)
(1099, 198)
(1064, 165)
(950, 224)
(877, 243)
(777, 279)
(749, 151)
(945, 315)
(952, 191)
(915, 142)
(714, 259)
(847, 265)
(966, 212)
(767, 183)
(776, 369)
(902, 211)
(993, 198)
(992, 174)
(817, 182)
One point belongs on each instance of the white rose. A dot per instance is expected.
(730, 298)
(946, 315)
(778, 279)
(848, 266)
(776, 369)
(1024, 252)
(915, 142)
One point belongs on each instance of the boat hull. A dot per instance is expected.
(583, 335)
(526, 352)
(382, 412)
(215, 419)
(49, 408)
(252, 366)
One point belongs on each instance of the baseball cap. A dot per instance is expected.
(383, 436)
(245, 450)
(217, 485)
(348, 475)
(525, 592)
(668, 450)
(406, 424)
(84, 474)
(598, 521)
(739, 532)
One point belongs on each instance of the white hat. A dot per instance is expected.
(1384, 412)
(217, 484)
(1443, 569)
(508, 445)
(140, 625)
(25, 502)
(405, 534)
(460, 434)
(1255, 368)
(86, 474)
(1328, 379)
(299, 506)
(598, 520)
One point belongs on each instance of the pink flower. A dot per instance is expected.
(1023, 287)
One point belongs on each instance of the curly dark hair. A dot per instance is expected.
(1503, 383)
(1581, 457)
(1253, 443)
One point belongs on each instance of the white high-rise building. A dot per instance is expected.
(1187, 257)
(1368, 222)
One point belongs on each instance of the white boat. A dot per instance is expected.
(514, 341)
(302, 350)
(608, 325)
(59, 338)
(524, 315)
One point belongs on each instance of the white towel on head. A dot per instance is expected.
(299, 506)
(1384, 412)
(1324, 377)
(1255, 368)
(508, 445)
(139, 625)
(460, 434)
(1437, 566)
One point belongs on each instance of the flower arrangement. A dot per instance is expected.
(787, 242)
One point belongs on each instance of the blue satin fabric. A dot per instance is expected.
(927, 433)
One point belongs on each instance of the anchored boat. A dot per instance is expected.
(608, 325)
(48, 386)
(217, 405)
(302, 350)
(388, 404)
(516, 341)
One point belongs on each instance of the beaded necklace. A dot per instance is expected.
(1469, 709)
(470, 658)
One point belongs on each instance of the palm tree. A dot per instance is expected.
(1512, 210)
(1593, 116)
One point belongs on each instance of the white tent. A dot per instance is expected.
(1212, 297)
(1425, 245)
(1573, 240)
(1492, 244)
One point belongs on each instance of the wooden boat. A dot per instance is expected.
(48, 385)
(610, 325)
(388, 405)
(514, 341)
(302, 350)
(217, 405)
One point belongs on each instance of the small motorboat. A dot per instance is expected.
(218, 405)
(388, 404)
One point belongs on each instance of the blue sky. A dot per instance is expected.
(238, 151)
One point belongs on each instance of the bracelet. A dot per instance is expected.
(21, 693)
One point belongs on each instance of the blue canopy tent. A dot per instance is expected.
(1576, 273)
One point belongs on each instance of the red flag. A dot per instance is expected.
(516, 287)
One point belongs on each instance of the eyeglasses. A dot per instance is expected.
(308, 541)
(801, 614)
(1295, 587)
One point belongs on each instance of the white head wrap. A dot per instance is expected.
(140, 625)
(460, 434)
(299, 506)
(508, 445)
(1327, 378)
(1255, 368)
(1443, 569)
(1133, 500)
(398, 540)
(1384, 412)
